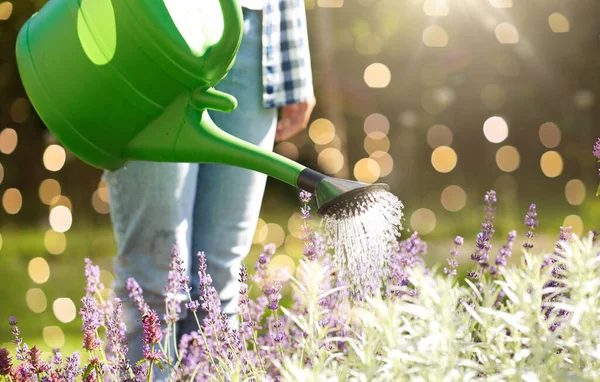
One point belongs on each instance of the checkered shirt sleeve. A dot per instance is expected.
(287, 74)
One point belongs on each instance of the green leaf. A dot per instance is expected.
(598, 192)
(88, 370)
(160, 365)
(141, 361)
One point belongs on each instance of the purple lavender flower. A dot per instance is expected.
(483, 239)
(91, 314)
(151, 354)
(177, 280)
(72, 369)
(5, 362)
(305, 213)
(36, 362)
(531, 223)
(306, 196)
(137, 295)
(452, 260)
(408, 254)
(21, 348)
(314, 247)
(14, 328)
(57, 357)
(90, 341)
(271, 287)
(262, 264)
(151, 326)
(504, 253)
(92, 276)
(596, 149)
(115, 335)
(193, 305)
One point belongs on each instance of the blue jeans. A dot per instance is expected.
(201, 207)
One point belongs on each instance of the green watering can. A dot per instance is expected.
(124, 80)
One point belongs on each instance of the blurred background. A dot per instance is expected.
(441, 99)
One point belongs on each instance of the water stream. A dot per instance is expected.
(362, 238)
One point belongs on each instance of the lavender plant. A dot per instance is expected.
(596, 153)
(538, 320)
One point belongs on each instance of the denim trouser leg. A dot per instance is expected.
(201, 207)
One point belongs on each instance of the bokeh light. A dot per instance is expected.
(20, 110)
(506, 33)
(1, 173)
(54, 158)
(260, 233)
(508, 158)
(454, 198)
(376, 141)
(6, 9)
(103, 191)
(295, 225)
(12, 201)
(99, 205)
(330, 3)
(284, 264)
(550, 134)
(377, 75)
(551, 163)
(275, 234)
(439, 135)
(55, 242)
(61, 201)
(435, 101)
(288, 150)
(436, 8)
(575, 192)
(576, 224)
(495, 129)
(501, 3)
(584, 99)
(492, 96)
(39, 270)
(558, 23)
(423, 221)
(335, 143)
(8, 141)
(444, 159)
(60, 219)
(408, 118)
(294, 246)
(321, 131)
(36, 301)
(434, 36)
(330, 160)
(367, 170)
(376, 123)
(385, 162)
(64, 309)
(53, 337)
(49, 191)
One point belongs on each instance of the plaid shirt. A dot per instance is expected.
(287, 74)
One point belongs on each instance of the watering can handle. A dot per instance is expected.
(226, 48)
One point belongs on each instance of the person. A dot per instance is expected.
(211, 207)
